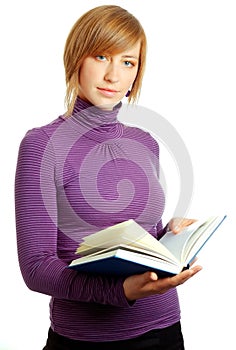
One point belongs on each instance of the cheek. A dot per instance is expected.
(133, 74)
(83, 78)
(130, 80)
(88, 74)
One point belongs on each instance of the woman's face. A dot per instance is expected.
(105, 79)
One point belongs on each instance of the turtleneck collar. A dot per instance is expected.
(99, 124)
(94, 116)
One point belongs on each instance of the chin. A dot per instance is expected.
(106, 104)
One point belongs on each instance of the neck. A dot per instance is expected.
(98, 123)
(93, 114)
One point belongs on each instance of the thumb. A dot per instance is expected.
(150, 276)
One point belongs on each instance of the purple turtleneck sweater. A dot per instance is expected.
(74, 177)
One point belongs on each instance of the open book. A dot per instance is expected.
(126, 248)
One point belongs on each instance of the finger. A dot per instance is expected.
(153, 276)
(181, 224)
(148, 277)
(185, 275)
(196, 269)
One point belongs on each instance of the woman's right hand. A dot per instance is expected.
(148, 283)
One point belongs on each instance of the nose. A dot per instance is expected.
(111, 74)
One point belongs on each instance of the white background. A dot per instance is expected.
(191, 81)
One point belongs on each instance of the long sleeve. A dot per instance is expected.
(37, 231)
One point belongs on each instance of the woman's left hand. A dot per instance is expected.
(177, 224)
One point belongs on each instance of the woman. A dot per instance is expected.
(83, 172)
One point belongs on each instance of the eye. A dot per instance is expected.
(129, 64)
(101, 58)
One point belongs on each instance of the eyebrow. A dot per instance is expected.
(130, 56)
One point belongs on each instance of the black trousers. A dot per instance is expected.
(169, 338)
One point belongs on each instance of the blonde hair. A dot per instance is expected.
(103, 29)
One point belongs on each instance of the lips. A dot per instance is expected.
(107, 92)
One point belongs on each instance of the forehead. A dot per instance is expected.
(132, 52)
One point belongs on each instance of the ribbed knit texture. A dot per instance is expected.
(74, 177)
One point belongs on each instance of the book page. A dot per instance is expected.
(131, 248)
(128, 230)
(128, 233)
(189, 241)
(124, 262)
(177, 242)
(151, 244)
(124, 232)
(198, 239)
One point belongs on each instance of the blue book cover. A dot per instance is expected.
(123, 262)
